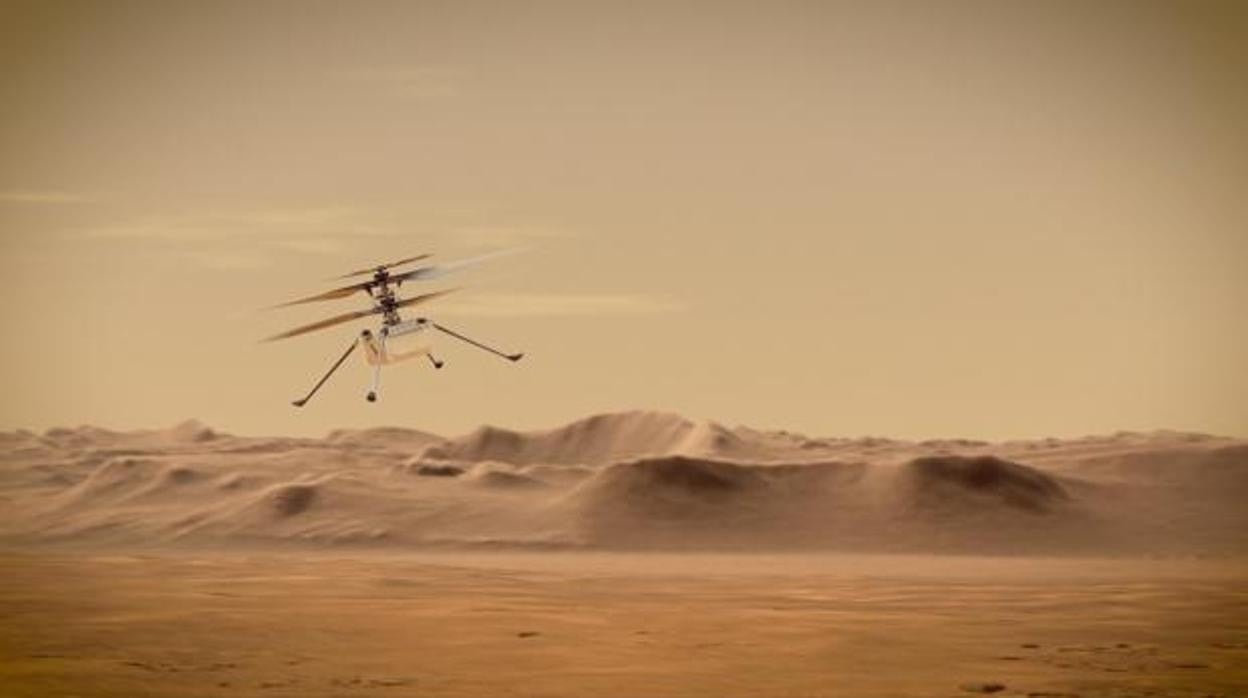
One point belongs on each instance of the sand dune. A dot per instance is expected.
(943, 480)
(634, 480)
(597, 440)
(383, 438)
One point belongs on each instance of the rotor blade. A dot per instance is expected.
(388, 265)
(322, 324)
(341, 292)
(422, 274)
(437, 271)
(423, 298)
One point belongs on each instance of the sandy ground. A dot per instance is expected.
(629, 625)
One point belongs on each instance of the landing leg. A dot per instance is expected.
(303, 401)
(479, 345)
(372, 390)
(434, 361)
(371, 396)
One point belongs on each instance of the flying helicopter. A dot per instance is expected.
(381, 286)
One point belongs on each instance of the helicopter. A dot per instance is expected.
(382, 287)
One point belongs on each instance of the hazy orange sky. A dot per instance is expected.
(985, 219)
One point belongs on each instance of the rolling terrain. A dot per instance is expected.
(627, 481)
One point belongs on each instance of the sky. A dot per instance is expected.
(991, 219)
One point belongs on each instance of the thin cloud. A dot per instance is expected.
(171, 229)
(34, 196)
(241, 240)
(496, 235)
(321, 215)
(217, 238)
(322, 246)
(416, 82)
(228, 261)
(267, 224)
(555, 305)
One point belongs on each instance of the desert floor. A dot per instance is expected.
(635, 625)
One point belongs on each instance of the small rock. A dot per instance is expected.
(527, 633)
(987, 687)
(141, 665)
(388, 682)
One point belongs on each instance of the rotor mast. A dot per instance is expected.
(383, 296)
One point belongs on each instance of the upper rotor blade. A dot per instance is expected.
(342, 292)
(423, 298)
(437, 271)
(388, 265)
(322, 324)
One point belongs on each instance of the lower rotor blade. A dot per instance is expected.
(423, 298)
(342, 292)
(322, 324)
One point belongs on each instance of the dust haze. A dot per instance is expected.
(881, 349)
